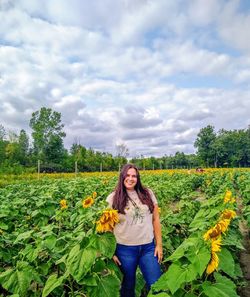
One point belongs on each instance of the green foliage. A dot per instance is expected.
(204, 142)
(47, 134)
(226, 148)
(52, 282)
(222, 287)
(49, 251)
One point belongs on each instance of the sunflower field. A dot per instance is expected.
(55, 237)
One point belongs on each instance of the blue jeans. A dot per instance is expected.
(132, 256)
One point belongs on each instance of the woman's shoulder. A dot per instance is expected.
(110, 198)
(150, 191)
(152, 195)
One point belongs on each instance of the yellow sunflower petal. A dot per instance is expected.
(228, 196)
(63, 204)
(228, 214)
(107, 220)
(213, 264)
(87, 202)
(216, 245)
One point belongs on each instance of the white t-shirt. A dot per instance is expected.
(135, 227)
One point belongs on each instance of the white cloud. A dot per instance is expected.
(203, 12)
(185, 57)
(234, 26)
(151, 76)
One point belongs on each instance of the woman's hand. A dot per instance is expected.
(116, 260)
(158, 253)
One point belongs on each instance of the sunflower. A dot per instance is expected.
(213, 264)
(224, 223)
(216, 245)
(87, 202)
(107, 220)
(63, 204)
(213, 232)
(228, 214)
(94, 195)
(228, 198)
(216, 231)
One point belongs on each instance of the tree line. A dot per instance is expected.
(46, 148)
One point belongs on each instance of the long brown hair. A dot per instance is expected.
(121, 197)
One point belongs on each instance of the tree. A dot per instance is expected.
(248, 146)
(205, 144)
(180, 159)
(12, 148)
(3, 144)
(2, 132)
(192, 160)
(122, 153)
(108, 162)
(47, 135)
(79, 154)
(243, 147)
(122, 150)
(23, 141)
(233, 148)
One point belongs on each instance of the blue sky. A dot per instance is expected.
(147, 74)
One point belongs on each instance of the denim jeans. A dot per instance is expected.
(132, 256)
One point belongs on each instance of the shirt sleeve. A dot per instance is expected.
(153, 197)
(109, 199)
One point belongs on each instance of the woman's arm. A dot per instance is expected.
(157, 233)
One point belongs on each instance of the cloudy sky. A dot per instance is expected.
(145, 73)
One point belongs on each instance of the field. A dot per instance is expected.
(49, 245)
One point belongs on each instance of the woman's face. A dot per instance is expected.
(130, 180)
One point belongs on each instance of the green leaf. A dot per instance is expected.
(107, 286)
(24, 278)
(52, 283)
(61, 260)
(180, 251)
(23, 236)
(5, 275)
(30, 252)
(200, 258)
(140, 282)
(223, 279)
(238, 270)
(50, 242)
(16, 281)
(89, 281)
(175, 277)
(200, 215)
(110, 265)
(232, 240)
(226, 262)
(222, 288)
(47, 211)
(162, 294)
(106, 243)
(44, 267)
(199, 221)
(3, 226)
(80, 261)
(99, 265)
(34, 213)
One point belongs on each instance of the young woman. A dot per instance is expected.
(138, 233)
